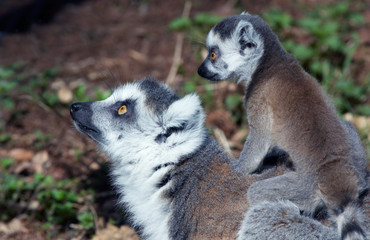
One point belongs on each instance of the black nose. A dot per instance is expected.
(201, 70)
(75, 107)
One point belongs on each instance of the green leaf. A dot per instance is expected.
(330, 28)
(48, 180)
(58, 194)
(86, 219)
(50, 73)
(302, 52)
(6, 73)
(46, 226)
(207, 19)
(232, 101)
(50, 98)
(180, 23)
(315, 67)
(339, 9)
(6, 162)
(6, 86)
(334, 42)
(190, 87)
(363, 110)
(349, 89)
(311, 24)
(101, 95)
(38, 177)
(356, 18)
(5, 137)
(278, 19)
(80, 93)
(8, 103)
(71, 197)
(289, 45)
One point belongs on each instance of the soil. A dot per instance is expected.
(102, 43)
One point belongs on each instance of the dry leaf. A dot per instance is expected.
(58, 84)
(137, 56)
(94, 166)
(359, 121)
(20, 154)
(39, 160)
(65, 95)
(14, 226)
(22, 166)
(94, 76)
(240, 135)
(112, 232)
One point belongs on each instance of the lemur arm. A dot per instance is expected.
(254, 151)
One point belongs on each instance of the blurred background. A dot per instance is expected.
(53, 181)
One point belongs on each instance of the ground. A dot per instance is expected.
(100, 44)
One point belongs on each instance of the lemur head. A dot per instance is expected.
(141, 119)
(236, 47)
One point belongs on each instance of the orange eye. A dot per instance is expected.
(213, 56)
(122, 110)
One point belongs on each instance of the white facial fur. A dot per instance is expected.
(136, 154)
(241, 63)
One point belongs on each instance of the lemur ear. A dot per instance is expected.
(185, 111)
(245, 13)
(246, 35)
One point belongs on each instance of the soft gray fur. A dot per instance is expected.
(174, 179)
(282, 220)
(299, 189)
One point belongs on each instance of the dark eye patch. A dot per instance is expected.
(215, 50)
(128, 103)
(130, 114)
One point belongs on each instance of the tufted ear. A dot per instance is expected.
(246, 35)
(245, 13)
(184, 112)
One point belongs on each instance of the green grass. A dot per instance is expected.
(40, 197)
(15, 81)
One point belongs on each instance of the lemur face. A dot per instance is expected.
(234, 50)
(139, 116)
(111, 119)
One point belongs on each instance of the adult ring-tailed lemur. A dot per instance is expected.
(173, 178)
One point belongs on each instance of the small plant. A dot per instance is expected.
(86, 219)
(234, 103)
(7, 85)
(196, 28)
(206, 92)
(42, 197)
(5, 137)
(14, 81)
(102, 94)
(202, 21)
(41, 139)
(81, 94)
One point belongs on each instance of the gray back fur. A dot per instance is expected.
(282, 220)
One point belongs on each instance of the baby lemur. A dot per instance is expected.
(174, 179)
(287, 108)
